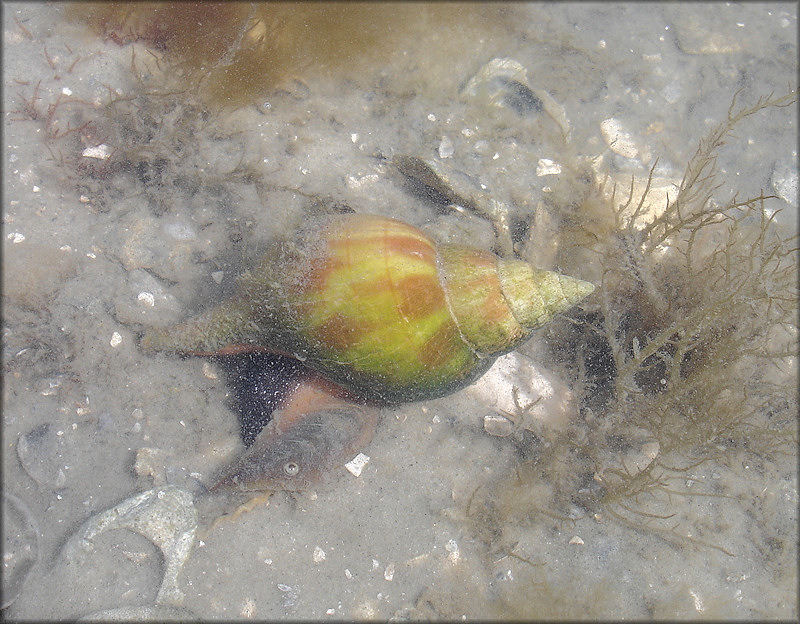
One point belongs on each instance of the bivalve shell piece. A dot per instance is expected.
(522, 394)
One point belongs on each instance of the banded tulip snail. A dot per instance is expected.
(376, 306)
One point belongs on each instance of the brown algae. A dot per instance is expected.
(237, 52)
(688, 358)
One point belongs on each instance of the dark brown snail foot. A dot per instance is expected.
(260, 383)
(316, 426)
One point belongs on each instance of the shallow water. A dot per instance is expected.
(88, 260)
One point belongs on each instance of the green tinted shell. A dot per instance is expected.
(376, 306)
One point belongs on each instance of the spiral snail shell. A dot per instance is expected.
(375, 305)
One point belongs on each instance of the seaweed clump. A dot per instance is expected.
(688, 356)
(699, 287)
(237, 52)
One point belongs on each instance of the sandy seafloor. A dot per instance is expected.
(394, 542)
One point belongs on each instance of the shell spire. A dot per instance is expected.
(553, 294)
(497, 303)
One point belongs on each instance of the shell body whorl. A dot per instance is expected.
(376, 306)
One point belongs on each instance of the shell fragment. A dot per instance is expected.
(521, 393)
(356, 465)
(618, 139)
(166, 516)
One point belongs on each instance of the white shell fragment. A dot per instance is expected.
(453, 554)
(166, 516)
(356, 465)
(525, 394)
(290, 595)
(618, 139)
(147, 298)
(545, 166)
(100, 152)
(446, 148)
(498, 425)
(209, 372)
(784, 181)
